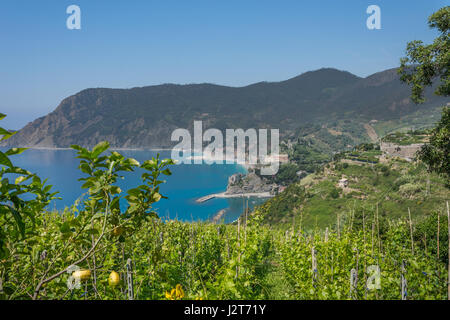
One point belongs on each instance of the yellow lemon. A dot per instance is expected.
(82, 275)
(179, 291)
(113, 279)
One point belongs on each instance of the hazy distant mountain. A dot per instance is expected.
(146, 117)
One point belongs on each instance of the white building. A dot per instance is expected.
(343, 183)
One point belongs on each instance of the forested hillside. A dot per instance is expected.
(145, 117)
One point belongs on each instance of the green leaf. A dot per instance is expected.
(84, 167)
(14, 151)
(77, 147)
(98, 215)
(92, 231)
(5, 133)
(100, 148)
(65, 227)
(134, 192)
(88, 184)
(21, 179)
(37, 180)
(132, 162)
(4, 160)
(149, 164)
(115, 204)
(18, 218)
(156, 197)
(18, 170)
(115, 190)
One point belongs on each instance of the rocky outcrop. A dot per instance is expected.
(249, 183)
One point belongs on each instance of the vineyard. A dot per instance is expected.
(96, 249)
(206, 261)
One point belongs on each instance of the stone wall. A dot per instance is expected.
(396, 150)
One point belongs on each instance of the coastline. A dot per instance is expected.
(111, 148)
(234, 195)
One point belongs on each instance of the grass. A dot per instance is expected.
(396, 186)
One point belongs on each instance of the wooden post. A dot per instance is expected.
(301, 221)
(364, 254)
(238, 246)
(228, 246)
(425, 240)
(293, 223)
(448, 231)
(326, 234)
(378, 231)
(411, 231)
(373, 235)
(130, 280)
(404, 283)
(245, 226)
(313, 264)
(438, 237)
(364, 228)
(353, 283)
(332, 266)
(338, 227)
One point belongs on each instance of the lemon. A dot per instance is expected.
(117, 231)
(113, 279)
(82, 275)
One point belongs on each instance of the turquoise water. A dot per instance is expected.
(183, 187)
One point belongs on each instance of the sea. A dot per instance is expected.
(187, 183)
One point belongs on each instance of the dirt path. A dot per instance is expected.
(371, 132)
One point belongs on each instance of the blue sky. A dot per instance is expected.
(125, 44)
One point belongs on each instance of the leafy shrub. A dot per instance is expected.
(334, 193)
(409, 189)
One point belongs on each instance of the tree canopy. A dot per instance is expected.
(424, 64)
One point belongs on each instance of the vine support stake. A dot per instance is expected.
(404, 282)
(438, 235)
(448, 232)
(353, 283)
(238, 246)
(130, 280)
(411, 231)
(314, 264)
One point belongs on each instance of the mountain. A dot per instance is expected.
(145, 117)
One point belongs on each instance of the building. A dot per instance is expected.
(343, 183)
(281, 158)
